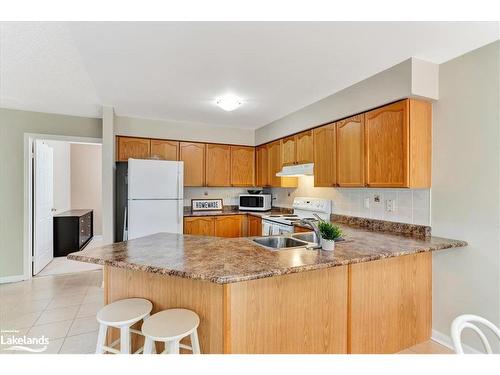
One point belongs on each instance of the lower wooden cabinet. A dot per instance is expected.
(218, 226)
(254, 226)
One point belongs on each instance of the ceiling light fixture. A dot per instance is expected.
(228, 102)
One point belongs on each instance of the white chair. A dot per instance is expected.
(121, 314)
(171, 326)
(466, 321)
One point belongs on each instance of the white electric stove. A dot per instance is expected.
(303, 208)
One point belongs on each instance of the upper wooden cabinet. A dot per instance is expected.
(351, 152)
(298, 148)
(242, 166)
(288, 150)
(218, 165)
(275, 165)
(398, 145)
(164, 150)
(325, 156)
(261, 164)
(134, 148)
(304, 147)
(193, 156)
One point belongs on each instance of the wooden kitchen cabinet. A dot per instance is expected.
(218, 165)
(228, 226)
(275, 165)
(132, 148)
(351, 152)
(325, 159)
(304, 147)
(201, 226)
(288, 150)
(254, 226)
(164, 150)
(193, 156)
(261, 164)
(398, 145)
(298, 148)
(242, 166)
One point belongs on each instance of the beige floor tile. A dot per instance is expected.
(54, 346)
(66, 300)
(57, 315)
(80, 344)
(20, 321)
(83, 325)
(94, 297)
(430, 347)
(52, 330)
(89, 309)
(6, 337)
(23, 307)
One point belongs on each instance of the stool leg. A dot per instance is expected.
(173, 347)
(124, 340)
(101, 338)
(148, 345)
(195, 344)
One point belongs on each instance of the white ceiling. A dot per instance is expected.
(174, 70)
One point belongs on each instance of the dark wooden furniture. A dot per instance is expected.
(73, 230)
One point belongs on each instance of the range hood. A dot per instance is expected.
(297, 170)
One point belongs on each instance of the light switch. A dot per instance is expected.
(366, 203)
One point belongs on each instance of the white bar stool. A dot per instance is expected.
(171, 326)
(121, 314)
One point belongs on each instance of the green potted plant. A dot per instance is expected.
(329, 233)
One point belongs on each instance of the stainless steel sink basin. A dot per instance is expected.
(307, 236)
(279, 242)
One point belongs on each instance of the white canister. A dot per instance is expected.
(328, 245)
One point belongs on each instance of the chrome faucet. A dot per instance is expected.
(312, 224)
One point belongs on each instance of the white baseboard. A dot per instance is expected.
(445, 340)
(11, 279)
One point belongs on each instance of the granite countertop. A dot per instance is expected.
(229, 260)
(232, 210)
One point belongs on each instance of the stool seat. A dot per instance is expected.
(125, 311)
(170, 324)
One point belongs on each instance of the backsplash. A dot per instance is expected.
(229, 195)
(411, 205)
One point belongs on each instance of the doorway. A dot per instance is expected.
(64, 186)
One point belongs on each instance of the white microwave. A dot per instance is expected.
(255, 202)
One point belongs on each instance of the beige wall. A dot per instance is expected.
(466, 188)
(86, 177)
(182, 131)
(409, 78)
(13, 125)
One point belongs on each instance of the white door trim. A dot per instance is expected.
(29, 138)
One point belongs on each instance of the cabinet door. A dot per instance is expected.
(135, 148)
(242, 166)
(288, 150)
(228, 226)
(201, 226)
(218, 167)
(386, 132)
(164, 150)
(262, 166)
(254, 224)
(193, 156)
(304, 147)
(275, 165)
(350, 152)
(325, 156)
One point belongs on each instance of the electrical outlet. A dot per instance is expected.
(390, 205)
(366, 203)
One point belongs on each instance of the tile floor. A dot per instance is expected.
(63, 308)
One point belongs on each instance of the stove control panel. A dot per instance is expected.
(313, 204)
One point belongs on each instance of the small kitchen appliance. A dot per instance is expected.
(255, 202)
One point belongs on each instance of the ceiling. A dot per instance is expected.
(175, 70)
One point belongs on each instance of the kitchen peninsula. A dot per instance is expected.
(372, 295)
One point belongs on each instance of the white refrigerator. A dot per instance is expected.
(155, 197)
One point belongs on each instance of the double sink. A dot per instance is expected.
(292, 241)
